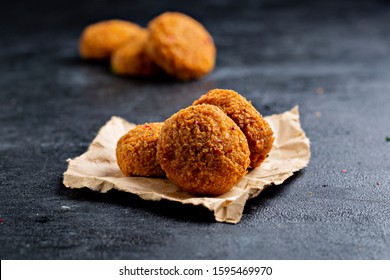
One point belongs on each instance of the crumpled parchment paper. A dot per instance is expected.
(97, 169)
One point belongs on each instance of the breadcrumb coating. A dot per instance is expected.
(136, 151)
(256, 129)
(202, 150)
(181, 46)
(100, 39)
(131, 58)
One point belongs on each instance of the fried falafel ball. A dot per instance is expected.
(136, 151)
(181, 46)
(131, 58)
(256, 129)
(100, 39)
(202, 150)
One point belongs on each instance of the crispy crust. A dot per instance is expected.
(181, 46)
(136, 151)
(131, 58)
(100, 39)
(202, 150)
(256, 129)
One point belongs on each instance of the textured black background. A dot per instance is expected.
(276, 53)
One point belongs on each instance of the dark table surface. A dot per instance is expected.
(331, 58)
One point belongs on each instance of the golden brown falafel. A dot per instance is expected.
(181, 46)
(136, 151)
(202, 150)
(131, 58)
(100, 39)
(256, 129)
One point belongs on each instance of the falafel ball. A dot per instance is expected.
(202, 150)
(181, 46)
(136, 151)
(241, 111)
(100, 39)
(131, 58)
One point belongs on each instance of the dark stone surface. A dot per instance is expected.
(277, 54)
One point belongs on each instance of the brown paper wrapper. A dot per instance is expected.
(97, 169)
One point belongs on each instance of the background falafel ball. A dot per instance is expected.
(131, 58)
(100, 39)
(181, 46)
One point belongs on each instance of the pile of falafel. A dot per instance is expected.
(173, 43)
(205, 149)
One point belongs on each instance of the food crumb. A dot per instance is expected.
(344, 171)
(320, 90)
